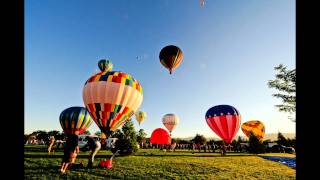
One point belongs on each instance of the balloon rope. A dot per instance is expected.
(114, 154)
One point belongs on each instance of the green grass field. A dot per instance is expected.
(154, 164)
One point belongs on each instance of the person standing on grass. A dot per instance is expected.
(50, 144)
(71, 150)
(223, 149)
(94, 146)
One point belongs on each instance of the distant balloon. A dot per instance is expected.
(75, 120)
(105, 65)
(170, 121)
(256, 127)
(171, 57)
(111, 97)
(202, 2)
(140, 116)
(160, 136)
(224, 120)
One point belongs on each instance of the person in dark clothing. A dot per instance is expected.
(223, 149)
(71, 150)
(94, 146)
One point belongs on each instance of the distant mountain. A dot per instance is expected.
(271, 136)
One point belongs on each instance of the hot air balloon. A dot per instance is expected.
(105, 65)
(171, 57)
(111, 97)
(254, 126)
(160, 136)
(202, 2)
(75, 120)
(170, 121)
(140, 116)
(224, 120)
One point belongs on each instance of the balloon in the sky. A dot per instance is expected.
(105, 65)
(171, 57)
(254, 126)
(202, 2)
(224, 120)
(160, 136)
(170, 121)
(111, 98)
(75, 120)
(140, 116)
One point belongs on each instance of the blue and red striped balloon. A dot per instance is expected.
(225, 121)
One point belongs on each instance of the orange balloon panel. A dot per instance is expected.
(256, 127)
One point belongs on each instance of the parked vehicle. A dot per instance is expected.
(278, 148)
(289, 150)
(83, 141)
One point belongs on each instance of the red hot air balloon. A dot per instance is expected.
(160, 136)
(225, 121)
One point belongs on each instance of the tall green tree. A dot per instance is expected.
(255, 145)
(127, 139)
(285, 83)
(141, 137)
(199, 139)
(54, 133)
(41, 135)
(240, 140)
(282, 140)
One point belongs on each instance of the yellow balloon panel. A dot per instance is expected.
(256, 127)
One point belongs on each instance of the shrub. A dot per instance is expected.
(255, 145)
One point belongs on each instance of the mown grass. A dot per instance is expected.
(154, 164)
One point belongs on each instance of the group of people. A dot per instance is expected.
(71, 150)
(194, 147)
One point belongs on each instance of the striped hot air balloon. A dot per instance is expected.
(75, 120)
(170, 121)
(171, 57)
(224, 120)
(111, 98)
(254, 126)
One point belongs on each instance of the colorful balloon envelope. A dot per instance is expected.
(254, 126)
(140, 116)
(75, 120)
(170, 121)
(171, 57)
(111, 98)
(160, 136)
(225, 121)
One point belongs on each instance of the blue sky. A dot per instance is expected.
(230, 49)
